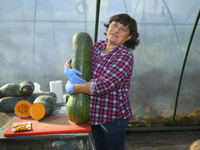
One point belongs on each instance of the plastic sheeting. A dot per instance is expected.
(35, 42)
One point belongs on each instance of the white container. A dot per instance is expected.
(56, 87)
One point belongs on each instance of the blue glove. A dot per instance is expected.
(72, 75)
(69, 87)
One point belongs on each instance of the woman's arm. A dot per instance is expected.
(82, 88)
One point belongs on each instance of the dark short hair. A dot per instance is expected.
(132, 25)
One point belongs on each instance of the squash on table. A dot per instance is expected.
(78, 105)
(10, 89)
(22, 109)
(7, 104)
(14, 89)
(26, 87)
(1, 94)
(43, 106)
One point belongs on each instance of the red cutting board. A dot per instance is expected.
(49, 125)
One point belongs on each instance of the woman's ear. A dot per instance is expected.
(129, 37)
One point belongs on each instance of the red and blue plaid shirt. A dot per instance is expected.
(111, 76)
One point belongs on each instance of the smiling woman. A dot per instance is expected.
(117, 35)
(112, 69)
(126, 25)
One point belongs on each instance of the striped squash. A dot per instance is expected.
(78, 105)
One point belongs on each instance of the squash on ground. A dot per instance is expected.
(78, 105)
(7, 104)
(46, 103)
(22, 109)
(26, 88)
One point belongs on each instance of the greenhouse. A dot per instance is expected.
(36, 41)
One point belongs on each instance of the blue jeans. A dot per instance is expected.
(111, 135)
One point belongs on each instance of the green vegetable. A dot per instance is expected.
(1, 94)
(26, 87)
(78, 105)
(10, 89)
(7, 104)
(49, 103)
(78, 108)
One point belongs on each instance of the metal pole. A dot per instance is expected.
(183, 67)
(97, 19)
(34, 40)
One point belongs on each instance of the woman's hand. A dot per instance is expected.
(72, 75)
(72, 88)
(69, 87)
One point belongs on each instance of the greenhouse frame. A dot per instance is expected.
(36, 37)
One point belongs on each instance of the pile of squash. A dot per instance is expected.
(21, 99)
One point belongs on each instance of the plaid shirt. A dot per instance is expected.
(111, 76)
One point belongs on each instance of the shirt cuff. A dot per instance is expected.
(92, 88)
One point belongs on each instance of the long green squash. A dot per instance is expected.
(78, 105)
(10, 89)
(25, 88)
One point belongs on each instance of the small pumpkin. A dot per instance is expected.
(22, 109)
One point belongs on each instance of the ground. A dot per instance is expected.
(5, 117)
(165, 139)
(135, 140)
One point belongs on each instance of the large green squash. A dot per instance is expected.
(1, 94)
(25, 88)
(78, 105)
(10, 89)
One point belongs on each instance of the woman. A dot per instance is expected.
(112, 67)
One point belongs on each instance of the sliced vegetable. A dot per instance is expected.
(22, 127)
(37, 111)
(46, 103)
(22, 109)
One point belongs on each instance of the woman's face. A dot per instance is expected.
(117, 33)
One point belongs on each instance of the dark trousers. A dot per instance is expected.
(111, 135)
